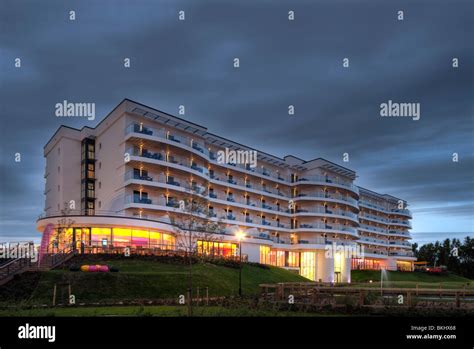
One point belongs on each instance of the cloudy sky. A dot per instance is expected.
(282, 62)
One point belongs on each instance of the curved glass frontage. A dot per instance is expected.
(91, 239)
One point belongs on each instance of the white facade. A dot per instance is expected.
(138, 164)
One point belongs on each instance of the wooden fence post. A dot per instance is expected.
(361, 298)
(54, 295)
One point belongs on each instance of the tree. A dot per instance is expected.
(457, 256)
(64, 224)
(193, 221)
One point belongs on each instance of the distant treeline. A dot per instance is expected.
(457, 256)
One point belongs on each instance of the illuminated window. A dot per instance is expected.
(214, 248)
(293, 259)
(140, 238)
(122, 237)
(264, 255)
(99, 234)
(308, 265)
(277, 258)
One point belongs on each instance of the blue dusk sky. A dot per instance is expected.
(282, 62)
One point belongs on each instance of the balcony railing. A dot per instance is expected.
(375, 229)
(369, 240)
(387, 221)
(328, 196)
(329, 179)
(138, 200)
(385, 209)
(331, 226)
(401, 243)
(321, 209)
(167, 135)
(199, 146)
(402, 254)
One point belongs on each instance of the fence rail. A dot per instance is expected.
(317, 293)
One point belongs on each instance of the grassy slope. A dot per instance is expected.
(140, 280)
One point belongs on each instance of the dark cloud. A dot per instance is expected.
(282, 63)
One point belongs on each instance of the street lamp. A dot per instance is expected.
(240, 236)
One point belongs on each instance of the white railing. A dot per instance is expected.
(329, 179)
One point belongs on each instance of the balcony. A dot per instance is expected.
(163, 135)
(325, 196)
(172, 203)
(402, 254)
(386, 210)
(142, 129)
(150, 155)
(329, 226)
(329, 180)
(373, 229)
(371, 240)
(138, 200)
(173, 182)
(400, 243)
(135, 175)
(320, 210)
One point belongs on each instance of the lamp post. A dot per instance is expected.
(240, 236)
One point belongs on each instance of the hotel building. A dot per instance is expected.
(118, 185)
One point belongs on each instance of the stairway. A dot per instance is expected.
(13, 267)
(20, 265)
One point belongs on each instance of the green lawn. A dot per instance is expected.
(139, 280)
(408, 279)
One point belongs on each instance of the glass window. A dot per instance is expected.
(308, 265)
(99, 234)
(122, 237)
(293, 259)
(140, 238)
(264, 254)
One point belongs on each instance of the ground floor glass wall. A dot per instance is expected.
(108, 237)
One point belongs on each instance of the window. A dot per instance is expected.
(264, 254)
(277, 258)
(90, 171)
(293, 259)
(308, 265)
(214, 248)
(99, 234)
(90, 190)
